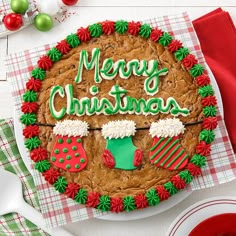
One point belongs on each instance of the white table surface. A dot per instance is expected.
(90, 11)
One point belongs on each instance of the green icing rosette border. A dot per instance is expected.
(128, 202)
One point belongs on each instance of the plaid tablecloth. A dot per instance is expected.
(13, 224)
(59, 210)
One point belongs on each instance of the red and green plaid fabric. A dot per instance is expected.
(13, 224)
(58, 209)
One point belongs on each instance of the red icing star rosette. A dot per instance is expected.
(94, 199)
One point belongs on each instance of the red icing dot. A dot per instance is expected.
(178, 182)
(30, 131)
(203, 148)
(29, 107)
(156, 34)
(209, 101)
(162, 192)
(193, 169)
(174, 45)
(45, 62)
(209, 123)
(38, 154)
(83, 34)
(189, 61)
(202, 80)
(72, 190)
(134, 27)
(63, 46)
(108, 27)
(34, 84)
(93, 199)
(117, 205)
(141, 201)
(51, 175)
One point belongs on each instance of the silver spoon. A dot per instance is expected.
(11, 200)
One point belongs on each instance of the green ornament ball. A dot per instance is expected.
(43, 22)
(19, 6)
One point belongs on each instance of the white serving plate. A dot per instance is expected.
(192, 216)
(124, 216)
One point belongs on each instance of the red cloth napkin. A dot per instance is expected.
(217, 35)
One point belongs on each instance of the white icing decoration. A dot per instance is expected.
(118, 129)
(167, 128)
(91, 91)
(71, 128)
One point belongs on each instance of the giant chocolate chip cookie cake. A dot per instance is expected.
(119, 116)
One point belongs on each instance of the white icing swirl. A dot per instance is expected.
(71, 128)
(118, 129)
(167, 128)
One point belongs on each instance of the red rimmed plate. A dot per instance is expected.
(204, 217)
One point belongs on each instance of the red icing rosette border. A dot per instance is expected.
(94, 199)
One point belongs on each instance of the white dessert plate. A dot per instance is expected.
(201, 212)
(124, 216)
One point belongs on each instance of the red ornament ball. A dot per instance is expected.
(13, 21)
(69, 2)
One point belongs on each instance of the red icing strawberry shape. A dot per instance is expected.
(68, 152)
(166, 150)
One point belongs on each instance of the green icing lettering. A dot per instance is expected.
(56, 114)
(94, 62)
(111, 69)
(121, 104)
(154, 79)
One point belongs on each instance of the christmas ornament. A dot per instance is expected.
(19, 6)
(41, 12)
(43, 22)
(13, 21)
(69, 2)
(120, 152)
(68, 152)
(49, 7)
(166, 150)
